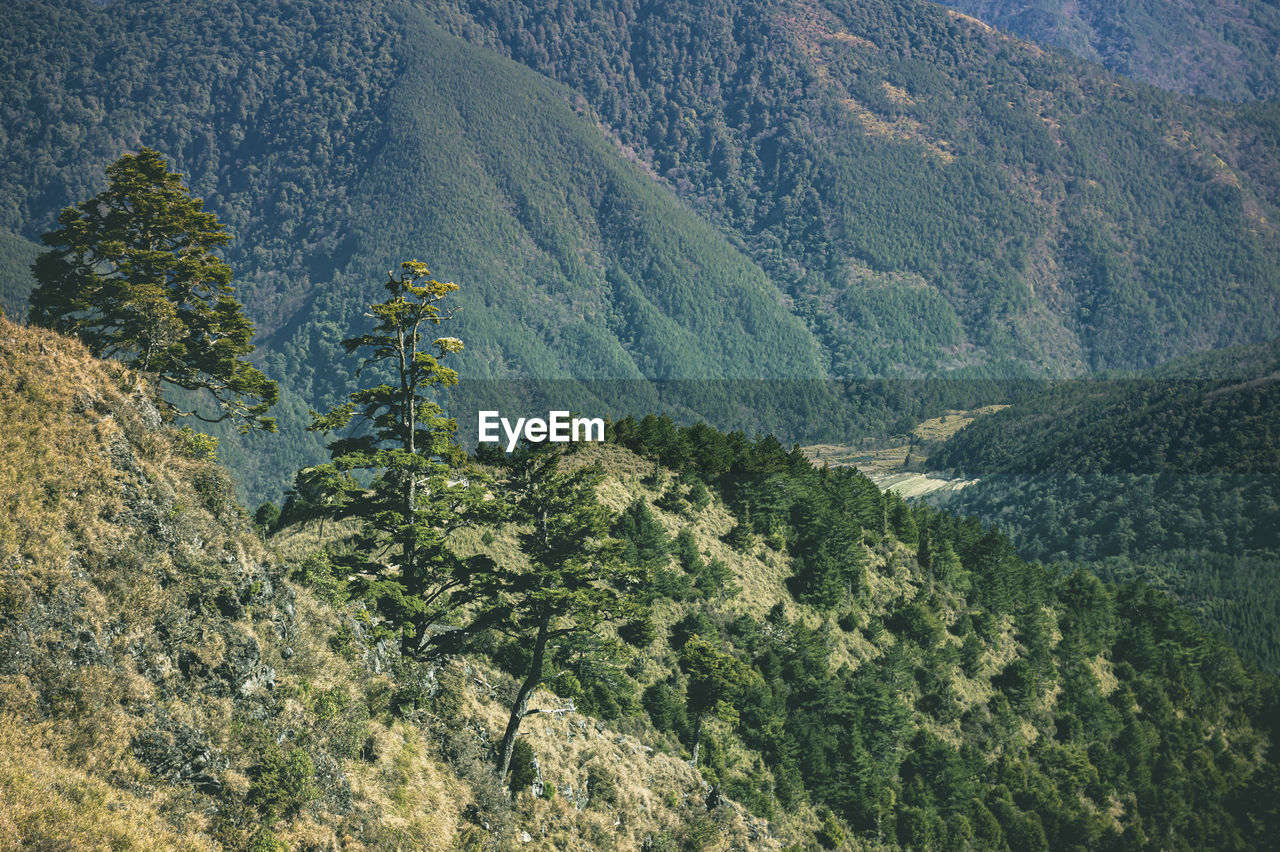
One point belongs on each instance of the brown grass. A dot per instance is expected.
(47, 805)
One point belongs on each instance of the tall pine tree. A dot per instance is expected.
(422, 486)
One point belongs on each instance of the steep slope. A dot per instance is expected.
(922, 682)
(896, 166)
(1229, 51)
(927, 193)
(336, 140)
(163, 686)
(906, 682)
(1204, 414)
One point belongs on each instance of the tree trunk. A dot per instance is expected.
(521, 706)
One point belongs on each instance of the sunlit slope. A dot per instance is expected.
(1221, 50)
(1172, 477)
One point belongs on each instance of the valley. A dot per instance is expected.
(920, 482)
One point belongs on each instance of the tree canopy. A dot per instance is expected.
(574, 580)
(132, 272)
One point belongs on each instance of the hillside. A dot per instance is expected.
(773, 190)
(1206, 414)
(330, 166)
(170, 682)
(930, 193)
(163, 685)
(1229, 51)
(1173, 477)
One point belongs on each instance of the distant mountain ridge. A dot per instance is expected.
(1229, 51)
(776, 189)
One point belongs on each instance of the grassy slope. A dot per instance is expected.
(152, 647)
(133, 585)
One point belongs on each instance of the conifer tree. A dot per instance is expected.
(132, 272)
(422, 489)
(716, 680)
(575, 578)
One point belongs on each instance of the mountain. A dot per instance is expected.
(904, 681)
(1229, 51)
(397, 140)
(1173, 477)
(928, 192)
(767, 190)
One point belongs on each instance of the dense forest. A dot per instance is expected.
(771, 190)
(1063, 215)
(1225, 51)
(1173, 477)
(961, 594)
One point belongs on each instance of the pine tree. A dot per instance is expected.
(575, 578)
(422, 486)
(716, 680)
(132, 272)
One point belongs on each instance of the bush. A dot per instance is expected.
(639, 632)
(831, 835)
(267, 517)
(665, 706)
(602, 785)
(282, 783)
(197, 445)
(699, 496)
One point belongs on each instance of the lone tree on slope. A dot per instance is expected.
(422, 488)
(132, 273)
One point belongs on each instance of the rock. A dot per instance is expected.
(538, 785)
(147, 410)
(178, 753)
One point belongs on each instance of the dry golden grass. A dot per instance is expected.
(1107, 680)
(47, 805)
(411, 794)
(81, 462)
(640, 792)
(56, 483)
(945, 427)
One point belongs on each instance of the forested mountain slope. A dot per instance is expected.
(1173, 477)
(896, 678)
(928, 191)
(1229, 51)
(879, 189)
(336, 141)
